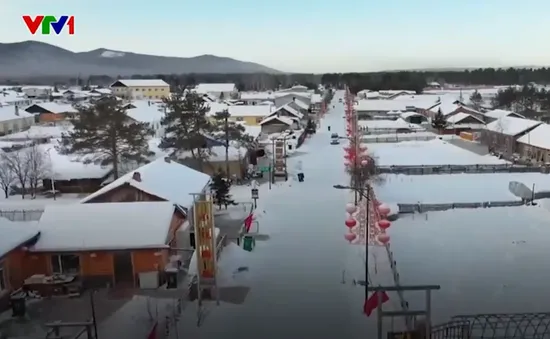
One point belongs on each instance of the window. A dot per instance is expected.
(239, 118)
(3, 284)
(65, 264)
(137, 89)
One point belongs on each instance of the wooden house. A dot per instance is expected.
(13, 267)
(108, 244)
(501, 135)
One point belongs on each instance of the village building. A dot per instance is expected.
(51, 112)
(413, 118)
(220, 91)
(147, 111)
(463, 122)
(289, 112)
(10, 97)
(14, 119)
(283, 98)
(141, 89)
(256, 98)
(501, 135)
(449, 107)
(535, 144)
(37, 92)
(496, 114)
(278, 124)
(16, 236)
(106, 244)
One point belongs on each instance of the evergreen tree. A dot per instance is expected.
(476, 100)
(104, 134)
(220, 187)
(185, 123)
(229, 131)
(439, 121)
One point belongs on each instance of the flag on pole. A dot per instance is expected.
(249, 219)
(372, 302)
(153, 333)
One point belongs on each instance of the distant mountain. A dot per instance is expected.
(33, 58)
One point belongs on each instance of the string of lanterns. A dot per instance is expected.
(356, 155)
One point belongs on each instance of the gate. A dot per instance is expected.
(495, 326)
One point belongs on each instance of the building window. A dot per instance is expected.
(239, 118)
(137, 89)
(65, 264)
(3, 285)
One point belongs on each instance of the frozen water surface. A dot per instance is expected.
(448, 188)
(433, 152)
(486, 260)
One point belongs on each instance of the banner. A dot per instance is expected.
(205, 242)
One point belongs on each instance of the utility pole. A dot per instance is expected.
(94, 318)
(226, 131)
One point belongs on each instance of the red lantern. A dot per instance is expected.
(384, 224)
(350, 223)
(206, 254)
(384, 238)
(350, 237)
(384, 209)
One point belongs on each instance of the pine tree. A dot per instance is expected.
(439, 121)
(185, 123)
(229, 131)
(220, 187)
(476, 100)
(104, 134)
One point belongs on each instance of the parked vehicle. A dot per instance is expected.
(334, 136)
(335, 142)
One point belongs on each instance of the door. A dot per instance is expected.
(123, 269)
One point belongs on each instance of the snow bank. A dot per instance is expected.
(433, 152)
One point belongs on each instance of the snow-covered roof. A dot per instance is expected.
(460, 116)
(382, 105)
(500, 113)
(511, 126)
(168, 180)
(410, 114)
(55, 107)
(290, 110)
(39, 132)
(450, 105)
(14, 234)
(13, 113)
(145, 111)
(257, 96)
(250, 110)
(304, 95)
(300, 104)
(285, 120)
(538, 137)
(214, 88)
(142, 82)
(388, 124)
(69, 167)
(104, 226)
(316, 98)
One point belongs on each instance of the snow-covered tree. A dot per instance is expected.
(220, 187)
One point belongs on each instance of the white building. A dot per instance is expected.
(13, 119)
(227, 91)
(37, 91)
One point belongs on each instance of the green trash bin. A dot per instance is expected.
(248, 243)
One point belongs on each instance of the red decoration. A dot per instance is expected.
(206, 254)
(384, 238)
(384, 209)
(350, 237)
(384, 224)
(372, 302)
(351, 223)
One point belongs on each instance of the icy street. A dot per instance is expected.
(296, 276)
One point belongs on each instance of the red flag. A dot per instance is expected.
(153, 333)
(248, 222)
(372, 302)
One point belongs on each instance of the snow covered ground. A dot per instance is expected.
(433, 152)
(450, 188)
(486, 260)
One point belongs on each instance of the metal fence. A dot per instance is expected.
(397, 138)
(447, 169)
(22, 215)
(420, 208)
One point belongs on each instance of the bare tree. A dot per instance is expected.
(17, 162)
(7, 176)
(37, 167)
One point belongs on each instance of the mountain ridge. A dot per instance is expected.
(33, 58)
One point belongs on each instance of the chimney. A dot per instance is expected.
(16, 110)
(136, 176)
(167, 160)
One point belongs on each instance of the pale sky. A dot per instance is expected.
(304, 36)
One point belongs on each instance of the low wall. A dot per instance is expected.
(446, 169)
(420, 208)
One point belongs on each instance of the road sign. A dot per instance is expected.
(255, 193)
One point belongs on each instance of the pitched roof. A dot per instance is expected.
(460, 116)
(56, 108)
(216, 87)
(538, 137)
(284, 120)
(168, 180)
(511, 126)
(499, 113)
(104, 226)
(13, 112)
(140, 83)
(290, 110)
(15, 234)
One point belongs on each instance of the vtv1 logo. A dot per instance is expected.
(47, 21)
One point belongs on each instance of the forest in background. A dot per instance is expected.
(410, 80)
